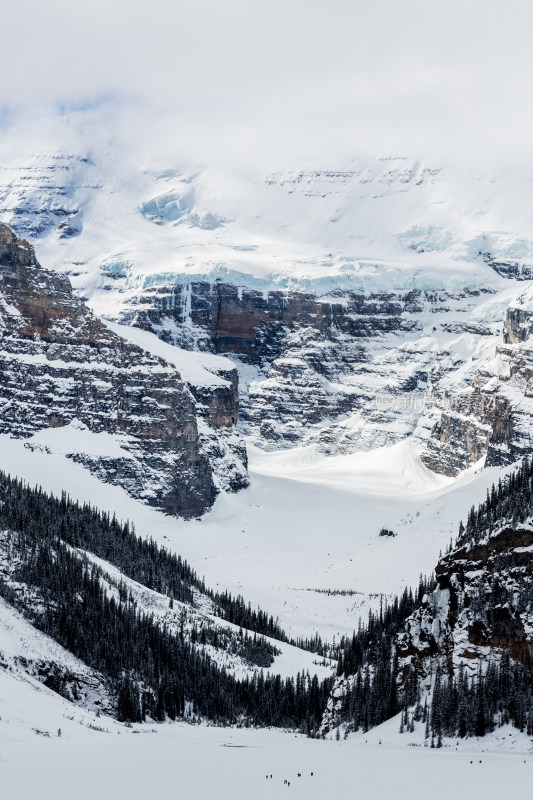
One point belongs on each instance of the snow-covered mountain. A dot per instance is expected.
(102, 209)
(462, 644)
(364, 327)
(362, 303)
(361, 306)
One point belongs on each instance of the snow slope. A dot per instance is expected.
(18, 638)
(288, 663)
(198, 369)
(29, 656)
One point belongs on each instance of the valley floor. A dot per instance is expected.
(303, 540)
(178, 760)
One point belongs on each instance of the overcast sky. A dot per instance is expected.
(381, 76)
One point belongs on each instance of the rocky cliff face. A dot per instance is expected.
(508, 267)
(493, 417)
(477, 622)
(471, 426)
(353, 371)
(255, 324)
(346, 371)
(480, 607)
(132, 419)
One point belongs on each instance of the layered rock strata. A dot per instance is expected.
(340, 371)
(493, 418)
(133, 421)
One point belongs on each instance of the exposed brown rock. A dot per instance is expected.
(465, 616)
(254, 323)
(59, 364)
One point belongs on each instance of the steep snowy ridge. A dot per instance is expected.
(26, 651)
(481, 606)
(131, 417)
(166, 646)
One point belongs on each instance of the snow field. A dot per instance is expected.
(198, 761)
(306, 526)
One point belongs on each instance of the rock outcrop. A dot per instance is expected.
(133, 420)
(479, 608)
(493, 417)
